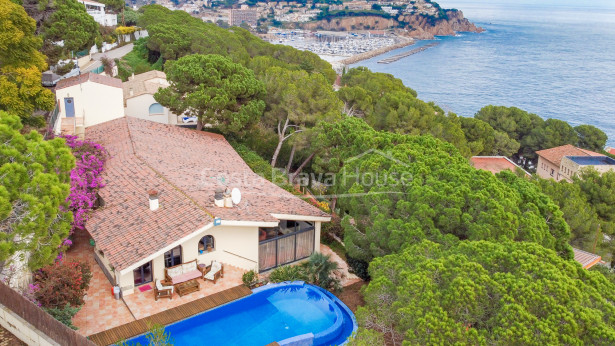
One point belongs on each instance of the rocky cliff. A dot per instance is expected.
(416, 26)
(422, 27)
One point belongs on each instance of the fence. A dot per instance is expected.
(42, 321)
(286, 249)
(53, 118)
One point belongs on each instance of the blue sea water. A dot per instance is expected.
(555, 58)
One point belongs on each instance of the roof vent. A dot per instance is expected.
(153, 200)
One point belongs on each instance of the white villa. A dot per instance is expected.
(164, 204)
(139, 99)
(97, 11)
(86, 100)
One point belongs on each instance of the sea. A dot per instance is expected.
(554, 58)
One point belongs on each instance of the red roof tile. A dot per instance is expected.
(610, 150)
(185, 167)
(586, 259)
(555, 155)
(493, 164)
(92, 77)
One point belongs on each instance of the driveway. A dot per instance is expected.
(113, 54)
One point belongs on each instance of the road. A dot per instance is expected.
(114, 53)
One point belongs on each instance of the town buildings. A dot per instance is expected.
(97, 11)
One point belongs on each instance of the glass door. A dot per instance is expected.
(143, 274)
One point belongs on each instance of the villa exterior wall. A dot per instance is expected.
(138, 107)
(233, 245)
(547, 169)
(95, 103)
(568, 168)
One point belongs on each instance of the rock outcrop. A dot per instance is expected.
(422, 27)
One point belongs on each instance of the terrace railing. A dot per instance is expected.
(286, 249)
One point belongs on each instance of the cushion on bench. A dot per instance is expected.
(186, 276)
(188, 267)
(173, 272)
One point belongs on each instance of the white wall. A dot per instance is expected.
(96, 103)
(22, 329)
(236, 246)
(138, 107)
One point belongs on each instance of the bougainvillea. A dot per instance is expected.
(85, 178)
(62, 283)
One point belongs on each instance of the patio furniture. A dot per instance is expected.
(161, 290)
(182, 273)
(187, 287)
(214, 271)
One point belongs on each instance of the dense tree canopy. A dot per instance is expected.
(386, 104)
(216, 90)
(400, 189)
(488, 293)
(587, 227)
(21, 64)
(173, 34)
(34, 185)
(64, 21)
(296, 100)
(535, 134)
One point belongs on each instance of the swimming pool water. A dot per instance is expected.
(271, 313)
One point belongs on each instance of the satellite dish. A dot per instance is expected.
(235, 195)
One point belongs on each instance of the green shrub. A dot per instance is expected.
(359, 267)
(288, 273)
(320, 270)
(64, 315)
(249, 278)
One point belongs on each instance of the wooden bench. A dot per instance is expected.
(184, 275)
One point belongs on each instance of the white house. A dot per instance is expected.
(139, 99)
(86, 100)
(164, 204)
(97, 11)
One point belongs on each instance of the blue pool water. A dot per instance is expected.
(554, 58)
(272, 313)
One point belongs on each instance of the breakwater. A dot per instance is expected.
(372, 53)
(408, 53)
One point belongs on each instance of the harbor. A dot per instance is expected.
(340, 47)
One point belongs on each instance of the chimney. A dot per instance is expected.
(153, 200)
(131, 92)
(219, 197)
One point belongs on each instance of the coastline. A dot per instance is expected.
(373, 53)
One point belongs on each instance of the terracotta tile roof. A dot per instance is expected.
(586, 259)
(610, 150)
(92, 77)
(143, 84)
(494, 164)
(185, 167)
(555, 155)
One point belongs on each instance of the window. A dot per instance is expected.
(206, 244)
(552, 171)
(156, 108)
(173, 257)
(143, 274)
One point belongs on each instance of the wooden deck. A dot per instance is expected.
(164, 318)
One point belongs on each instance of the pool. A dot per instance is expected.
(291, 313)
